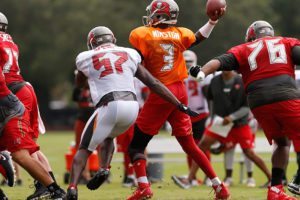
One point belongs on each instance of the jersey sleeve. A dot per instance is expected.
(81, 63)
(134, 39)
(188, 37)
(293, 42)
(135, 57)
(3, 56)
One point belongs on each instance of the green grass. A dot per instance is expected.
(55, 145)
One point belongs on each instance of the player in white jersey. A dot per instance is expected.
(110, 72)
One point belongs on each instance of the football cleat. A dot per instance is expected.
(129, 181)
(72, 193)
(250, 182)
(40, 192)
(221, 192)
(294, 185)
(228, 182)
(7, 168)
(141, 194)
(98, 179)
(58, 194)
(182, 182)
(277, 193)
(2, 195)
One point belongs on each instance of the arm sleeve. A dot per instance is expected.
(188, 37)
(244, 110)
(228, 62)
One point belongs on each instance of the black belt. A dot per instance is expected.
(116, 95)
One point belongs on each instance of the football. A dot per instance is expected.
(212, 6)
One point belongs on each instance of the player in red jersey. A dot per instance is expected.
(267, 64)
(161, 45)
(37, 165)
(197, 101)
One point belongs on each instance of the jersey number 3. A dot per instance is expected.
(276, 52)
(116, 67)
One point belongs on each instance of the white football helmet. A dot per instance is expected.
(190, 58)
(161, 12)
(3, 22)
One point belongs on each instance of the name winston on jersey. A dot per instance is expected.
(168, 34)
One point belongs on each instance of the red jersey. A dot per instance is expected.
(265, 57)
(162, 51)
(9, 53)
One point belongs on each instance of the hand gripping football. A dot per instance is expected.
(214, 9)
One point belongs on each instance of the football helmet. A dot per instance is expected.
(190, 58)
(100, 35)
(161, 12)
(259, 29)
(3, 22)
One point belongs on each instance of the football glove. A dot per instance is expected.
(195, 71)
(187, 110)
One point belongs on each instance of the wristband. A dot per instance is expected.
(207, 28)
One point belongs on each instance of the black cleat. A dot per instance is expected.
(72, 194)
(58, 194)
(40, 192)
(294, 185)
(8, 167)
(2, 195)
(98, 179)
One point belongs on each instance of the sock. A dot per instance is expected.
(189, 146)
(207, 153)
(129, 170)
(228, 173)
(52, 175)
(250, 174)
(140, 170)
(277, 174)
(72, 186)
(53, 187)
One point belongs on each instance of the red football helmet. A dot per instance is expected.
(100, 35)
(259, 29)
(161, 12)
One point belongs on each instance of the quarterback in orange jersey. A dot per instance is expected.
(161, 45)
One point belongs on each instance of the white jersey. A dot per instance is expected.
(196, 99)
(109, 68)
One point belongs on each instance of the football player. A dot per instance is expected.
(267, 64)
(38, 165)
(161, 45)
(124, 139)
(196, 100)
(110, 71)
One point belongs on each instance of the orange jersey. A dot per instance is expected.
(162, 51)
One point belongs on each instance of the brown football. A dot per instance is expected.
(212, 6)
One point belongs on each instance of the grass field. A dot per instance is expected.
(55, 145)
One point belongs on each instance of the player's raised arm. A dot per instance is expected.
(157, 87)
(215, 9)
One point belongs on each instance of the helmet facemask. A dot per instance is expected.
(3, 22)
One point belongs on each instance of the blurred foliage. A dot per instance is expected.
(50, 33)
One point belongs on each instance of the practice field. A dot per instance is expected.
(56, 144)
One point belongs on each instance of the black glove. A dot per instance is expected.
(187, 110)
(194, 70)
